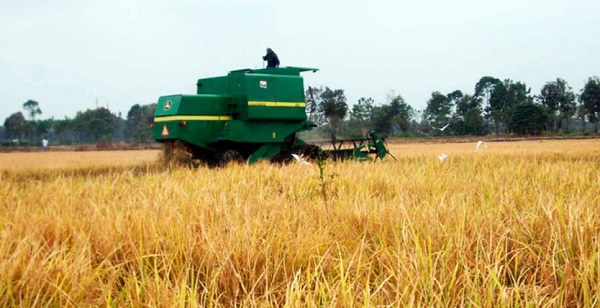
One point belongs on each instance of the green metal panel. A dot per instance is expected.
(168, 105)
(204, 104)
(261, 94)
(215, 85)
(276, 97)
(258, 110)
(261, 87)
(237, 84)
(266, 151)
(290, 89)
(261, 131)
(188, 131)
(196, 119)
(237, 88)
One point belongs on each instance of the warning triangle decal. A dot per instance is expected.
(165, 131)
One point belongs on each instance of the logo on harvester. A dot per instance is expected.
(167, 106)
(262, 84)
(165, 131)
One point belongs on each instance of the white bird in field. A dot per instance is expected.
(442, 129)
(442, 157)
(300, 160)
(480, 143)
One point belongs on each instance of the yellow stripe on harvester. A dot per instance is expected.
(276, 104)
(192, 118)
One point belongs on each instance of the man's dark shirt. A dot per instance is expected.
(272, 59)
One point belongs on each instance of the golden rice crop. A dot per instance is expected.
(74, 160)
(513, 224)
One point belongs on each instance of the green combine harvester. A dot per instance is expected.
(249, 115)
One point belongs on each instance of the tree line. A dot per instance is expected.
(89, 126)
(495, 107)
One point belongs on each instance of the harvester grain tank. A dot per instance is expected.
(247, 115)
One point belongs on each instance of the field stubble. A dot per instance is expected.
(509, 225)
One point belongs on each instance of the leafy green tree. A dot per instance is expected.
(517, 93)
(65, 131)
(138, 123)
(14, 125)
(333, 107)
(382, 120)
(484, 88)
(95, 125)
(466, 103)
(401, 113)
(590, 98)
(474, 123)
(558, 97)
(393, 116)
(134, 118)
(313, 101)
(146, 130)
(360, 117)
(567, 109)
(43, 127)
(468, 116)
(582, 113)
(501, 97)
(497, 104)
(27, 130)
(455, 96)
(438, 110)
(528, 119)
(486, 97)
(33, 109)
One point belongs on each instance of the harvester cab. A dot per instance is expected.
(247, 115)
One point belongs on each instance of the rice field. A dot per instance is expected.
(510, 224)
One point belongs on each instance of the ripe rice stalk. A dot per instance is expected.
(514, 224)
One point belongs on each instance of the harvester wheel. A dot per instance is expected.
(230, 156)
(175, 153)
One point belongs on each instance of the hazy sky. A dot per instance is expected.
(70, 54)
